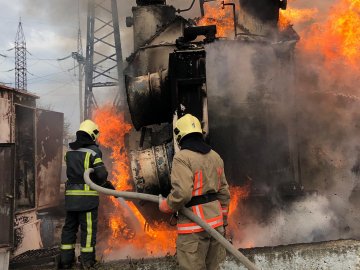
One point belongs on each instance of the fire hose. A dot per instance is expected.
(184, 211)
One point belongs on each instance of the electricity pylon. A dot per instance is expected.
(20, 60)
(104, 62)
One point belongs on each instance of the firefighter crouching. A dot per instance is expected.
(198, 182)
(81, 202)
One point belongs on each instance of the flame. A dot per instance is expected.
(221, 17)
(238, 193)
(295, 16)
(126, 223)
(112, 133)
(337, 38)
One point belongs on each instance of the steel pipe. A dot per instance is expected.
(186, 212)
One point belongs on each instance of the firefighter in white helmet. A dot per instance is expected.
(81, 202)
(198, 182)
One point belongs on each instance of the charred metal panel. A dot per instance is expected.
(5, 120)
(148, 20)
(248, 101)
(25, 100)
(25, 157)
(170, 33)
(264, 10)
(150, 2)
(155, 55)
(260, 17)
(7, 153)
(49, 130)
(187, 78)
(149, 60)
(148, 99)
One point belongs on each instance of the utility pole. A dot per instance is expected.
(78, 56)
(104, 62)
(20, 60)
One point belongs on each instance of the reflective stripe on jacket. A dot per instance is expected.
(78, 195)
(195, 174)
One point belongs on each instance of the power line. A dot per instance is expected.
(47, 75)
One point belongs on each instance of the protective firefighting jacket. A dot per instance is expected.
(198, 175)
(78, 195)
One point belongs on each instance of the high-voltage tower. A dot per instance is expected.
(104, 67)
(20, 60)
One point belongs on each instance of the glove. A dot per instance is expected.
(108, 184)
(163, 205)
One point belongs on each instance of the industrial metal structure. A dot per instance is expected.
(168, 75)
(103, 67)
(30, 163)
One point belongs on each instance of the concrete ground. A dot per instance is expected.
(331, 255)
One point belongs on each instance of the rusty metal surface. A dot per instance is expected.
(49, 128)
(27, 232)
(5, 121)
(25, 158)
(6, 194)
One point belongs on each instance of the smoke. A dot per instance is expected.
(288, 121)
(308, 220)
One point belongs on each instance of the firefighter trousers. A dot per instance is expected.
(199, 251)
(88, 228)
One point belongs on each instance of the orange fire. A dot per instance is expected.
(113, 130)
(295, 16)
(128, 234)
(238, 193)
(338, 38)
(221, 17)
